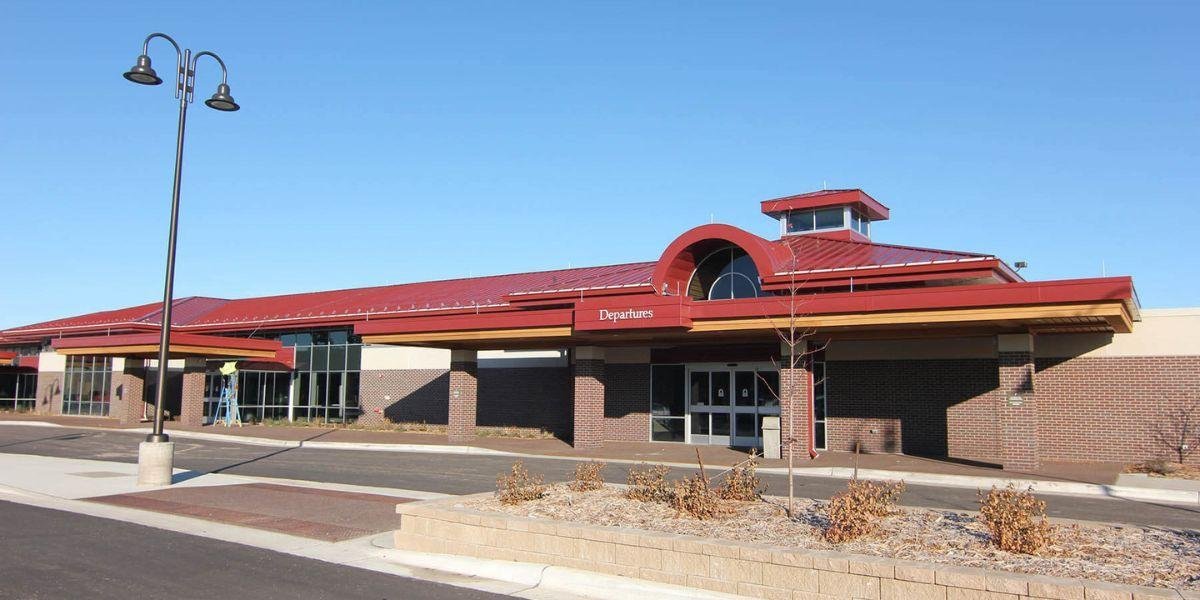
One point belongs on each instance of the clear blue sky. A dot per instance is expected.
(391, 142)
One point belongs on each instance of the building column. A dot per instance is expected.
(795, 400)
(464, 393)
(1018, 403)
(129, 390)
(588, 397)
(192, 403)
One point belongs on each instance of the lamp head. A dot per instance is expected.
(222, 100)
(142, 72)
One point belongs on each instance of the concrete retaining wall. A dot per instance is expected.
(443, 526)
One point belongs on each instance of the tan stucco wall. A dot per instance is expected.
(1161, 332)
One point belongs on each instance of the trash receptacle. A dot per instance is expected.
(770, 437)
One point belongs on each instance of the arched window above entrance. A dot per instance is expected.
(725, 274)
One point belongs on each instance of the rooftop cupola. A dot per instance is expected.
(846, 214)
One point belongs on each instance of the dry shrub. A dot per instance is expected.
(648, 483)
(588, 477)
(853, 513)
(693, 496)
(742, 483)
(1015, 519)
(519, 486)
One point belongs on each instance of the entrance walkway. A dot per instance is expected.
(714, 456)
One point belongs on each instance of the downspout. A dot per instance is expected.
(812, 425)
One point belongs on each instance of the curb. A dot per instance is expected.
(588, 584)
(1064, 488)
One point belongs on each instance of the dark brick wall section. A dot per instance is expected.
(1109, 408)
(464, 387)
(538, 397)
(416, 396)
(627, 402)
(921, 407)
(588, 403)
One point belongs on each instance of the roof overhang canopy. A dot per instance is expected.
(7, 359)
(1087, 305)
(874, 210)
(183, 345)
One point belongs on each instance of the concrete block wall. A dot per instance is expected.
(754, 570)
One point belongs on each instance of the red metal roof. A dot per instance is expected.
(813, 254)
(875, 210)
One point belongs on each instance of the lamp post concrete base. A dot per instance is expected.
(156, 462)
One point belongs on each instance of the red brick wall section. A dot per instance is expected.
(404, 396)
(627, 402)
(1109, 408)
(464, 387)
(49, 393)
(128, 393)
(588, 403)
(919, 407)
(192, 399)
(1018, 421)
(535, 397)
(795, 399)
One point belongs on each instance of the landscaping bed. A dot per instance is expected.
(1156, 557)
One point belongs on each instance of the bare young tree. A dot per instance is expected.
(1179, 431)
(794, 340)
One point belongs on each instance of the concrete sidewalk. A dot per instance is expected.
(913, 470)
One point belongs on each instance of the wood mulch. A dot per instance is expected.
(1158, 557)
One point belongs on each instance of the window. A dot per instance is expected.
(86, 385)
(800, 221)
(819, 406)
(667, 405)
(725, 274)
(858, 222)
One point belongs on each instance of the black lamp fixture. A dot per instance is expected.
(221, 100)
(142, 72)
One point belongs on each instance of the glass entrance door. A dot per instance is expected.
(726, 403)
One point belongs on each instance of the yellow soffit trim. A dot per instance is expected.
(1113, 312)
(173, 349)
(458, 336)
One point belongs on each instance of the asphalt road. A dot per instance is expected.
(53, 554)
(464, 474)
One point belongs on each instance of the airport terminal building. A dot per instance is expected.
(894, 348)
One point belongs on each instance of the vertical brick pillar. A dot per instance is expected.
(49, 393)
(588, 397)
(464, 394)
(795, 401)
(1018, 403)
(192, 403)
(129, 386)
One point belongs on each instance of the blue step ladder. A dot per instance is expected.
(227, 408)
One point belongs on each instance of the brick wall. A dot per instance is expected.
(416, 396)
(588, 403)
(463, 400)
(49, 393)
(1018, 420)
(1107, 408)
(538, 397)
(627, 402)
(922, 407)
(191, 410)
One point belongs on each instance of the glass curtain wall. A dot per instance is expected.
(18, 391)
(262, 395)
(326, 384)
(86, 386)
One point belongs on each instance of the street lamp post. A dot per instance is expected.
(155, 455)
